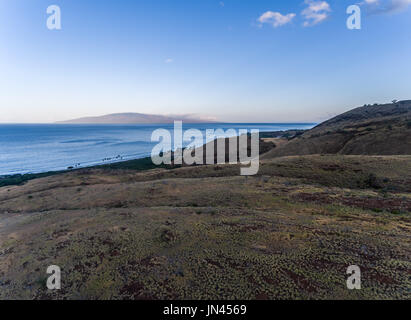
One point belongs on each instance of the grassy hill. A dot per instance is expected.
(128, 231)
(369, 130)
(207, 233)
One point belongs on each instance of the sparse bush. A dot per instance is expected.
(167, 235)
(373, 181)
(41, 281)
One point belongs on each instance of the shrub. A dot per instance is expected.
(372, 181)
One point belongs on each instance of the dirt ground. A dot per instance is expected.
(206, 232)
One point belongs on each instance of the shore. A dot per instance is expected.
(134, 164)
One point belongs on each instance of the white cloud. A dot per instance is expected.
(169, 60)
(276, 19)
(399, 5)
(386, 6)
(316, 12)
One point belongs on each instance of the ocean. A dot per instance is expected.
(35, 148)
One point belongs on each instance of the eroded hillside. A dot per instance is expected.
(369, 130)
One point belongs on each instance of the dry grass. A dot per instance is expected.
(208, 233)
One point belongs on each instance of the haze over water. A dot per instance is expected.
(34, 148)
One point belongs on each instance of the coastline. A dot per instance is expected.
(138, 164)
(34, 149)
(19, 179)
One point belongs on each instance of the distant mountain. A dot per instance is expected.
(137, 118)
(369, 130)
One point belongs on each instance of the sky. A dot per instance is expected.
(230, 60)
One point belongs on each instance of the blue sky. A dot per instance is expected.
(235, 60)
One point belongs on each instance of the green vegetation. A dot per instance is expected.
(20, 179)
(138, 164)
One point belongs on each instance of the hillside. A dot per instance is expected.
(369, 130)
(207, 233)
(123, 231)
(136, 118)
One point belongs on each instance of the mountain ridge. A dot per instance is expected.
(136, 118)
(379, 129)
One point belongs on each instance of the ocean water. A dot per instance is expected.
(34, 148)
